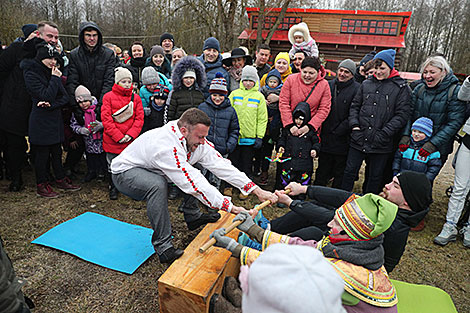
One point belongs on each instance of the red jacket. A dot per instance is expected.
(113, 131)
(295, 90)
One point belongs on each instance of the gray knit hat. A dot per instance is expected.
(82, 94)
(349, 65)
(120, 73)
(150, 76)
(156, 50)
(250, 73)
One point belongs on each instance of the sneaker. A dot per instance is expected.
(228, 192)
(169, 255)
(466, 236)
(242, 196)
(448, 234)
(45, 190)
(66, 184)
(113, 193)
(203, 220)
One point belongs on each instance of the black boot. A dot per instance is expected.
(169, 255)
(203, 220)
(173, 192)
(16, 184)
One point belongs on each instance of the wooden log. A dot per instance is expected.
(188, 284)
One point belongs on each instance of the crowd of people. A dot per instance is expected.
(160, 124)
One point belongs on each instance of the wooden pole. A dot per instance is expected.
(234, 225)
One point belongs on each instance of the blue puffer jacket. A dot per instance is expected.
(224, 129)
(211, 70)
(410, 160)
(447, 116)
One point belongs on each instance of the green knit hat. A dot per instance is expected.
(366, 217)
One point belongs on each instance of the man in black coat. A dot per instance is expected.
(335, 129)
(410, 191)
(262, 55)
(91, 64)
(15, 102)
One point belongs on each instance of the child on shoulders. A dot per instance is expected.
(299, 37)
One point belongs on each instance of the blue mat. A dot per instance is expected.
(101, 240)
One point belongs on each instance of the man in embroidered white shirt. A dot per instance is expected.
(169, 153)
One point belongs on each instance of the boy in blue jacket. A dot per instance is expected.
(410, 160)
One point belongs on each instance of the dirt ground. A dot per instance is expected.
(60, 282)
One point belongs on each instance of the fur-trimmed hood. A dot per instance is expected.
(302, 27)
(187, 63)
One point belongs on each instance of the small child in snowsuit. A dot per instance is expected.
(224, 130)
(158, 104)
(301, 150)
(83, 122)
(410, 160)
(189, 79)
(299, 37)
(273, 86)
(122, 115)
(252, 114)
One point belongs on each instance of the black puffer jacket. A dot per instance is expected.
(136, 65)
(15, 102)
(46, 126)
(92, 69)
(299, 148)
(381, 109)
(224, 129)
(335, 129)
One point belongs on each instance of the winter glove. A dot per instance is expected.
(84, 131)
(98, 127)
(147, 111)
(427, 149)
(222, 241)
(247, 221)
(404, 143)
(125, 139)
(258, 143)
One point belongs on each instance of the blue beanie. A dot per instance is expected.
(423, 124)
(211, 42)
(388, 56)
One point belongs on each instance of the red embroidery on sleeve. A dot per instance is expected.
(248, 186)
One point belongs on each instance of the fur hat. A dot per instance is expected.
(150, 76)
(218, 85)
(185, 64)
(366, 217)
(238, 53)
(423, 124)
(349, 65)
(120, 73)
(82, 94)
(301, 27)
(211, 42)
(167, 36)
(388, 56)
(291, 279)
(156, 50)
(250, 73)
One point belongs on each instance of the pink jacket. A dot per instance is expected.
(295, 90)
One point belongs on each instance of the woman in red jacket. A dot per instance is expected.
(298, 88)
(122, 115)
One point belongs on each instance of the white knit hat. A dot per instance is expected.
(82, 94)
(120, 73)
(292, 279)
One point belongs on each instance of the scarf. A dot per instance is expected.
(366, 253)
(236, 73)
(90, 117)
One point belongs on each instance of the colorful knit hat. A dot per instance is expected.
(424, 125)
(218, 84)
(366, 217)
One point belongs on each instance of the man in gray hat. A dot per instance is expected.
(335, 129)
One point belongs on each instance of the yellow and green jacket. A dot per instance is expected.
(252, 112)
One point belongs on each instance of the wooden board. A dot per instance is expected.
(188, 284)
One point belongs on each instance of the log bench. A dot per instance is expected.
(189, 283)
